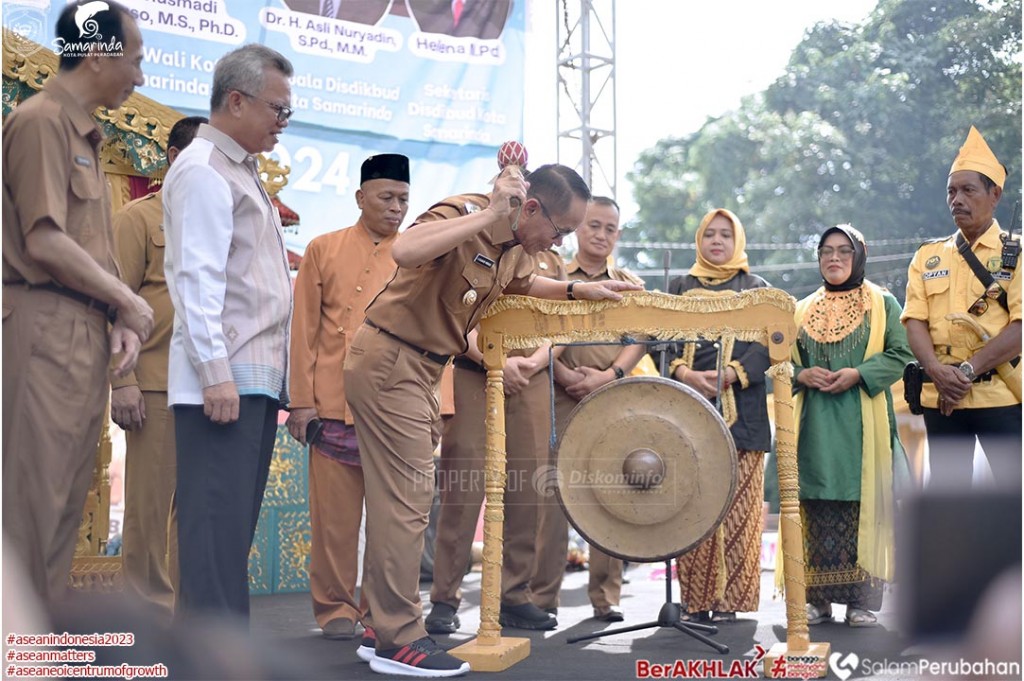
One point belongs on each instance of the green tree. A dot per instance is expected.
(861, 128)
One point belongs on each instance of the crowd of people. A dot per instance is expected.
(185, 297)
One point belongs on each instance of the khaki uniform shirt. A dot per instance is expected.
(53, 143)
(139, 236)
(595, 356)
(339, 275)
(940, 282)
(435, 305)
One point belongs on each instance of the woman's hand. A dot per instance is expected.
(842, 380)
(817, 378)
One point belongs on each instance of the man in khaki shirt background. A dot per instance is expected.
(138, 402)
(579, 371)
(59, 285)
(339, 275)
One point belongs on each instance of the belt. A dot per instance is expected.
(432, 356)
(463, 362)
(78, 296)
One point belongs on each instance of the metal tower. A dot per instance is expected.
(586, 91)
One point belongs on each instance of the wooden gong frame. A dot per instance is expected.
(516, 322)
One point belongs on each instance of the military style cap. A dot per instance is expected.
(975, 155)
(385, 167)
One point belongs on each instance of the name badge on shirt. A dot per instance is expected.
(83, 161)
(935, 275)
(483, 260)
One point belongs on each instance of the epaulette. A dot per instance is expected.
(937, 240)
(463, 204)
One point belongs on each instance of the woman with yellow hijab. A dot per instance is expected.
(716, 582)
(850, 348)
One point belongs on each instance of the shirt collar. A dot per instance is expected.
(990, 238)
(82, 120)
(575, 266)
(227, 144)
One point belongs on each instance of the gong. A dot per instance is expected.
(646, 468)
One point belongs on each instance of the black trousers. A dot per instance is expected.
(222, 472)
(951, 445)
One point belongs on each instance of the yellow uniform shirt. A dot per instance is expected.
(940, 282)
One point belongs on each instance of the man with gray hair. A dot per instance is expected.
(227, 273)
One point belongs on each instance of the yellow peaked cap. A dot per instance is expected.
(975, 155)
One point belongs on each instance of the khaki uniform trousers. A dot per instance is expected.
(553, 539)
(527, 424)
(393, 394)
(150, 539)
(335, 513)
(55, 387)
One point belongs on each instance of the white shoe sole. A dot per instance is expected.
(383, 665)
(366, 653)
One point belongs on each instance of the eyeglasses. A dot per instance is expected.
(826, 252)
(283, 112)
(559, 231)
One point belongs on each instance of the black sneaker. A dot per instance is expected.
(367, 646)
(423, 657)
(442, 619)
(526, 616)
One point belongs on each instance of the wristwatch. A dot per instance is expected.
(619, 373)
(968, 370)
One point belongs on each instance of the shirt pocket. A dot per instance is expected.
(470, 290)
(936, 287)
(84, 183)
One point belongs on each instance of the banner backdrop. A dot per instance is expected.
(376, 76)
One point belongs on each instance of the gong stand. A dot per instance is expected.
(519, 322)
(668, 617)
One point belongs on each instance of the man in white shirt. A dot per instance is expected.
(227, 273)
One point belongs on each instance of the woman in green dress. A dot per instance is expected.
(850, 348)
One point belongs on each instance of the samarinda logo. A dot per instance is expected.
(88, 27)
(91, 40)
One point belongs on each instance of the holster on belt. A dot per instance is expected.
(914, 378)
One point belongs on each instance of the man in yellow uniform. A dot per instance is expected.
(528, 425)
(340, 274)
(578, 372)
(60, 287)
(453, 263)
(963, 323)
(138, 402)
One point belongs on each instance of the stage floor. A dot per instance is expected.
(287, 620)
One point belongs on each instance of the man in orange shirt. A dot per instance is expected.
(340, 274)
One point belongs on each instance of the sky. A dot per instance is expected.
(678, 62)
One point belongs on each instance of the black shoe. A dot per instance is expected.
(526, 616)
(423, 657)
(442, 619)
(551, 611)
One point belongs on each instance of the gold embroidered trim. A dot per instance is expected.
(709, 302)
(834, 315)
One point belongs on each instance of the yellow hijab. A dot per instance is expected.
(738, 261)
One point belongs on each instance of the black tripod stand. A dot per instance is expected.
(667, 617)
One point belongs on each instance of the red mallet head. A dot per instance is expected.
(511, 153)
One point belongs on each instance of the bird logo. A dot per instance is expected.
(87, 26)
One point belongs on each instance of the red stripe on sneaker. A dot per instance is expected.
(416, 661)
(404, 653)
